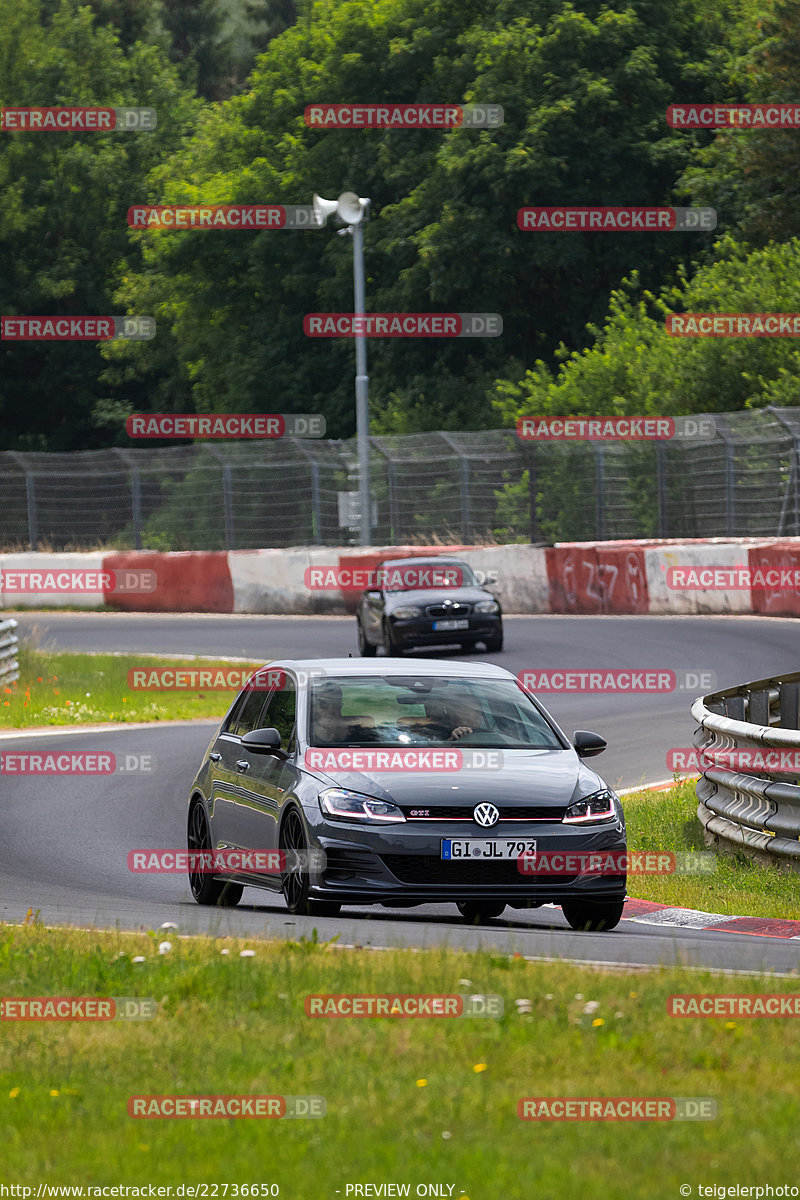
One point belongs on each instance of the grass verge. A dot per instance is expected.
(668, 821)
(408, 1101)
(63, 688)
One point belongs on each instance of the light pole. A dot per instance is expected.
(352, 211)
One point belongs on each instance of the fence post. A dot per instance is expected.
(600, 490)
(136, 495)
(661, 488)
(30, 496)
(227, 496)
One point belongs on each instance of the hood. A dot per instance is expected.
(543, 777)
(425, 596)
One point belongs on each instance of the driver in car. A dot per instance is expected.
(468, 715)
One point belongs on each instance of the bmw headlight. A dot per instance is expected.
(594, 809)
(407, 612)
(487, 606)
(353, 806)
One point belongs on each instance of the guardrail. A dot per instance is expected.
(760, 810)
(9, 667)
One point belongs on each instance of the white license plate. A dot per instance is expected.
(473, 848)
(445, 625)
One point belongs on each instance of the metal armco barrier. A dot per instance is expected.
(758, 811)
(9, 667)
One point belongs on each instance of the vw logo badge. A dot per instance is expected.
(486, 815)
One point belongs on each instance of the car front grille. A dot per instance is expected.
(448, 610)
(465, 812)
(426, 869)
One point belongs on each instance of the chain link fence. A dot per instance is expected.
(426, 487)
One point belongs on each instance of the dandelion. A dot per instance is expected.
(446, 1134)
(618, 1015)
(247, 954)
(634, 995)
(465, 983)
(597, 1022)
(164, 947)
(422, 1083)
(730, 1024)
(139, 958)
(479, 1067)
(226, 951)
(12, 1095)
(579, 995)
(549, 996)
(168, 925)
(591, 1006)
(55, 1092)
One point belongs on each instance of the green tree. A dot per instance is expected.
(584, 94)
(63, 199)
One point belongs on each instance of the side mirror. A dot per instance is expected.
(262, 741)
(588, 744)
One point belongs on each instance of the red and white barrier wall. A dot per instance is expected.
(621, 577)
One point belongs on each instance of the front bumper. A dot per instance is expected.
(419, 631)
(403, 862)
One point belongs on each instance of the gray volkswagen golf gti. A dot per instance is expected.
(402, 783)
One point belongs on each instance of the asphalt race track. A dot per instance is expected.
(64, 846)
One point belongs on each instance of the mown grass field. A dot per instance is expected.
(668, 821)
(408, 1100)
(61, 688)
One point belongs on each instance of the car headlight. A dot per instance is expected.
(594, 809)
(352, 806)
(406, 613)
(487, 606)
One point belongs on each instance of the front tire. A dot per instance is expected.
(297, 884)
(593, 916)
(365, 648)
(206, 889)
(478, 912)
(494, 645)
(390, 646)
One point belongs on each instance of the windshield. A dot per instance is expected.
(426, 711)
(425, 573)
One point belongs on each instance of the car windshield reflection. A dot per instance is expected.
(426, 711)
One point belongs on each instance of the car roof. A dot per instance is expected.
(391, 666)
